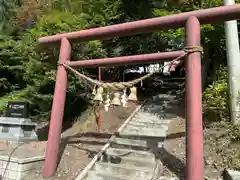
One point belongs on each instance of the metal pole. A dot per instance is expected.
(99, 110)
(55, 126)
(233, 59)
(194, 129)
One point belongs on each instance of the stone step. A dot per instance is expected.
(149, 109)
(147, 132)
(93, 175)
(130, 153)
(148, 120)
(167, 178)
(125, 170)
(133, 142)
(90, 139)
(140, 143)
(140, 118)
(148, 124)
(150, 105)
(145, 115)
(131, 161)
(155, 111)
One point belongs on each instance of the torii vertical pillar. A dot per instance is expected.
(55, 127)
(194, 129)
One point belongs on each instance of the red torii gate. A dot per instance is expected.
(191, 21)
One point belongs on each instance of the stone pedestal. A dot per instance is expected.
(17, 129)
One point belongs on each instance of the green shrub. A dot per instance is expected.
(215, 98)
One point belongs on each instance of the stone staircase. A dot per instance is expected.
(131, 154)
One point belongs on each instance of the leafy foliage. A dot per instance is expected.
(215, 98)
(28, 72)
(31, 72)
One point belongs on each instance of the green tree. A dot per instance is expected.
(27, 72)
(4, 14)
(35, 68)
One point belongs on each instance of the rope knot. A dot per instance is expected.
(61, 64)
(191, 49)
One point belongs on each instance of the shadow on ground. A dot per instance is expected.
(72, 111)
(175, 165)
(167, 100)
(168, 160)
(95, 139)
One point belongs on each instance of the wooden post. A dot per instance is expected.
(194, 129)
(55, 127)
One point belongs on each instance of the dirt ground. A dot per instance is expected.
(218, 150)
(82, 141)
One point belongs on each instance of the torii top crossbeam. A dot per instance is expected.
(205, 16)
